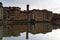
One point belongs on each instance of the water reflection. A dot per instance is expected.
(41, 28)
(26, 31)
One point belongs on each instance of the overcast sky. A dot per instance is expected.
(34, 4)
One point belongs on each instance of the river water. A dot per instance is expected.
(38, 31)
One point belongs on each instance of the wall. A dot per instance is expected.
(42, 15)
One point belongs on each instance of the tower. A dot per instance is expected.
(0, 4)
(1, 11)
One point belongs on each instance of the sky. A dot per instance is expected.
(53, 5)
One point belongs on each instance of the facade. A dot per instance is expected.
(42, 15)
(15, 13)
(6, 12)
(56, 17)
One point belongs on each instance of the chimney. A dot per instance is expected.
(28, 20)
(27, 7)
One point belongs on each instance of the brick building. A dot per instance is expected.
(42, 15)
(15, 13)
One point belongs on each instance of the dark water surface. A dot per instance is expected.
(39, 31)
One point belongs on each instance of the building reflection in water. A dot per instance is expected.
(1, 32)
(41, 28)
(15, 30)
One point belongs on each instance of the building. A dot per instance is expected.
(42, 15)
(1, 11)
(15, 13)
(56, 17)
